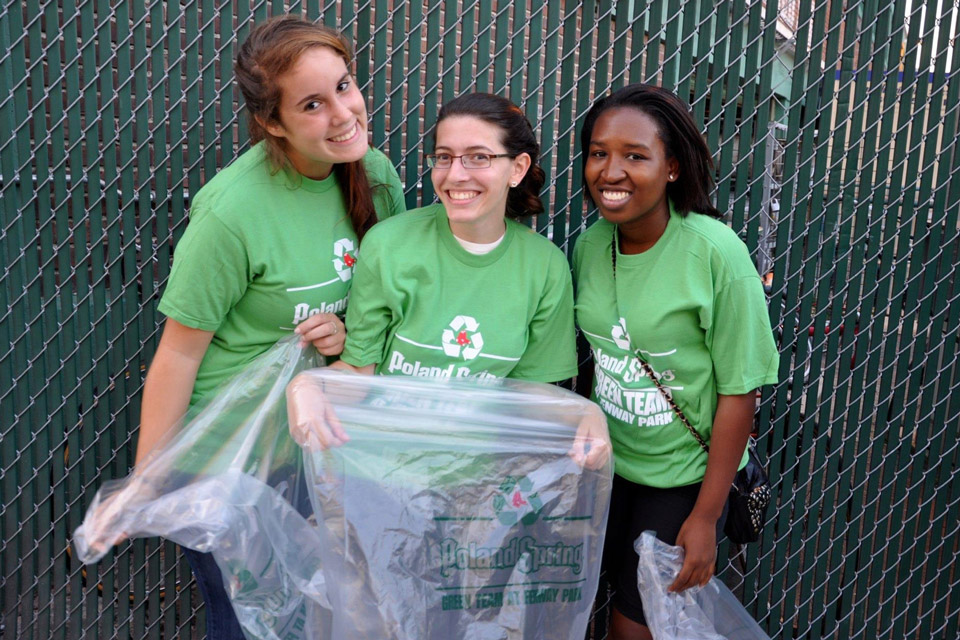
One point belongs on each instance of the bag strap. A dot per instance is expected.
(646, 366)
(673, 405)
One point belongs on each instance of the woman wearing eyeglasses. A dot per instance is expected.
(460, 288)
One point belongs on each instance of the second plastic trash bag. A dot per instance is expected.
(454, 510)
(711, 612)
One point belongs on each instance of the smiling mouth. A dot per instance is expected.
(462, 195)
(614, 196)
(346, 136)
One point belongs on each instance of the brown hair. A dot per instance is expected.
(271, 49)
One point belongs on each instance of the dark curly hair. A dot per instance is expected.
(680, 137)
(516, 135)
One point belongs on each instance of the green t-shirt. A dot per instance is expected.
(264, 251)
(424, 306)
(694, 305)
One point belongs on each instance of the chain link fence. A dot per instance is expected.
(834, 126)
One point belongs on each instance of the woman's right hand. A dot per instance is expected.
(313, 423)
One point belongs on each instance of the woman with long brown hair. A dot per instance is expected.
(272, 240)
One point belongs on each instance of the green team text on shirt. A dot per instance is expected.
(694, 305)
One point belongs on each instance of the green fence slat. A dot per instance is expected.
(784, 319)
(548, 105)
(518, 56)
(654, 31)
(167, 205)
(719, 58)
(467, 25)
(329, 17)
(937, 365)
(584, 100)
(671, 47)
(602, 63)
(904, 172)
(413, 166)
(484, 38)
(527, 65)
(38, 238)
(762, 55)
(565, 139)
(824, 213)
(379, 120)
(52, 219)
(839, 601)
(704, 31)
(619, 75)
(80, 98)
(449, 73)
(14, 321)
(919, 296)
(731, 95)
(397, 88)
(431, 68)
(866, 477)
(501, 31)
(751, 191)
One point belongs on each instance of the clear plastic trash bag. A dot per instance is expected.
(231, 483)
(710, 612)
(455, 509)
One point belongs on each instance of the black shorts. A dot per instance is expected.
(635, 508)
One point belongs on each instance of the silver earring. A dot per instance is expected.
(513, 184)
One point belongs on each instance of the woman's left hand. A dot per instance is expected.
(698, 537)
(325, 331)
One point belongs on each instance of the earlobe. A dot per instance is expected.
(673, 169)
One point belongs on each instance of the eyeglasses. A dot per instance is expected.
(468, 160)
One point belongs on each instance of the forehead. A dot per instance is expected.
(458, 133)
(317, 70)
(627, 126)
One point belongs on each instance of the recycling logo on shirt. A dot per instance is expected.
(346, 257)
(462, 338)
(620, 335)
(516, 501)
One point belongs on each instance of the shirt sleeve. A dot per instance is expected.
(551, 352)
(740, 338)
(210, 274)
(368, 312)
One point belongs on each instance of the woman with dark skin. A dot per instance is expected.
(660, 278)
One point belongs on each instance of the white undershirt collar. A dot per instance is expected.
(480, 248)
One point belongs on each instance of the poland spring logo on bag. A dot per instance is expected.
(462, 338)
(346, 257)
